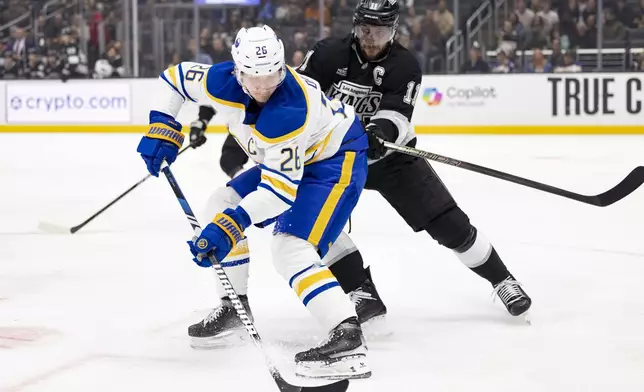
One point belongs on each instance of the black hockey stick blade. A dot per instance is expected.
(629, 184)
(53, 228)
(338, 386)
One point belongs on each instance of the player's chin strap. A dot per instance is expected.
(632, 181)
(232, 294)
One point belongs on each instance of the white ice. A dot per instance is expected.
(107, 309)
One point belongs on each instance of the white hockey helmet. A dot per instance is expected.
(258, 52)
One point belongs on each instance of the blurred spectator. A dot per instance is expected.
(537, 37)
(267, 10)
(508, 37)
(297, 59)
(68, 37)
(73, 62)
(35, 67)
(586, 33)
(10, 70)
(54, 26)
(504, 64)
(299, 42)
(524, 14)
(176, 59)
(20, 45)
(427, 41)
(640, 12)
(539, 63)
(220, 52)
(444, 20)
(549, 16)
(312, 12)
(110, 65)
(192, 55)
(475, 64)
(625, 14)
(568, 16)
(556, 57)
(638, 63)
(613, 28)
(404, 40)
(326, 32)
(568, 65)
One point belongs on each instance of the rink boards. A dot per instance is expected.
(584, 103)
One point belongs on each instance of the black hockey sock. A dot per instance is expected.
(349, 271)
(493, 270)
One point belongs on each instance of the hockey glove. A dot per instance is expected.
(220, 236)
(161, 142)
(376, 149)
(197, 133)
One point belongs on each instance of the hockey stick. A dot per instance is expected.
(58, 229)
(632, 181)
(237, 304)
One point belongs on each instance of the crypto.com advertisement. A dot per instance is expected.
(74, 102)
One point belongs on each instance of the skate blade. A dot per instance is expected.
(526, 318)
(350, 367)
(376, 327)
(224, 339)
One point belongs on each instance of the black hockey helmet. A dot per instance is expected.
(374, 26)
(377, 12)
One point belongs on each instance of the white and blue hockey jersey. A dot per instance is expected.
(298, 126)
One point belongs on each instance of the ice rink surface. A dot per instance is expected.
(108, 308)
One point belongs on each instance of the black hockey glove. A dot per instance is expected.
(197, 133)
(376, 149)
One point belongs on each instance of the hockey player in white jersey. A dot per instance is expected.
(311, 168)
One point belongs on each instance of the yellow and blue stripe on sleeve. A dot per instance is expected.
(279, 184)
(175, 78)
(170, 77)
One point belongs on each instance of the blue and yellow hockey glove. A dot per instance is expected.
(161, 142)
(221, 236)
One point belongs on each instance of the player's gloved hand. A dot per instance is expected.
(221, 236)
(197, 133)
(161, 142)
(376, 149)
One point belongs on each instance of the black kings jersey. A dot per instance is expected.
(385, 88)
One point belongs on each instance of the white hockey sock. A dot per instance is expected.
(322, 295)
(298, 262)
(236, 267)
(478, 253)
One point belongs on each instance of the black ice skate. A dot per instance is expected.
(342, 355)
(219, 325)
(367, 301)
(516, 300)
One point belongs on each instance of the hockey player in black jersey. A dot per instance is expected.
(369, 70)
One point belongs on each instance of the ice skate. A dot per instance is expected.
(342, 355)
(369, 305)
(515, 299)
(220, 327)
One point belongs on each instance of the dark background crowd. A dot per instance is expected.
(62, 39)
